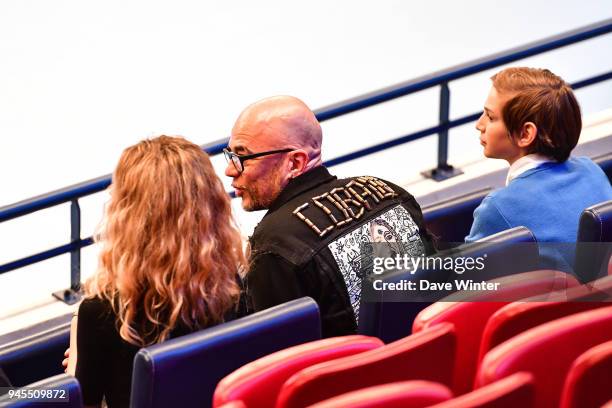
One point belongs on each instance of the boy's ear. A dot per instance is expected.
(529, 131)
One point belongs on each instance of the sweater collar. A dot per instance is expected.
(300, 184)
(528, 162)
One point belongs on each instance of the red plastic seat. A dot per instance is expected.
(547, 351)
(510, 392)
(405, 394)
(257, 384)
(470, 317)
(588, 383)
(602, 284)
(428, 355)
(518, 317)
(233, 404)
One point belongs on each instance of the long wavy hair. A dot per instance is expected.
(171, 249)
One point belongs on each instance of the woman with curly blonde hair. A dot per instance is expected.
(168, 265)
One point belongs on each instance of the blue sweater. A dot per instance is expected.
(547, 199)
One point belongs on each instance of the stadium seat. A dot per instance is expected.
(427, 355)
(406, 394)
(68, 391)
(4, 381)
(595, 226)
(510, 392)
(547, 352)
(450, 220)
(257, 384)
(470, 316)
(38, 354)
(518, 244)
(390, 318)
(605, 162)
(515, 318)
(184, 372)
(234, 404)
(588, 383)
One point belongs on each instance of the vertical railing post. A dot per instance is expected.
(443, 135)
(72, 294)
(444, 170)
(75, 254)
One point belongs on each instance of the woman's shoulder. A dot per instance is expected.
(96, 308)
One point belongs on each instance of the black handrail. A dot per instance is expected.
(465, 69)
(440, 78)
(54, 198)
(352, 105)
(439, 128)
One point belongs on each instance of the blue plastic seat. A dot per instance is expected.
(594, 242)
(63, 386)
(605, 162)
(36, 355)
(450, 220)
(184, 372)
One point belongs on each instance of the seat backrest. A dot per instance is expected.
(596, 223)
(518, 244)
(513, 391)
(517, 317)
(390, 318)
(185, 371)
(405, 394)
(470, 317)
(588, 383)
(62, 390)
(389, 321)
(234, 404)
(257, 383)
(427, 355)
(605, 162)
(547, 352)
(595, 227)
(4, 381)
(450, 220)
(38, 355)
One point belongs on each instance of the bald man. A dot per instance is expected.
(311, 240)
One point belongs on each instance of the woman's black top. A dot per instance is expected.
(104, 360)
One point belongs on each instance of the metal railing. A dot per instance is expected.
(442, 171)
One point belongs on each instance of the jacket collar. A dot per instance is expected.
(300, 184)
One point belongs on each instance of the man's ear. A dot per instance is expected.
(529, 132)
(298, 159)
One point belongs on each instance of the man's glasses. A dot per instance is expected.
(238, 159)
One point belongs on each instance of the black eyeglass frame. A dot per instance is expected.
(239, 159)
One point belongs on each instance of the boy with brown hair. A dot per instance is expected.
(532, 120)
